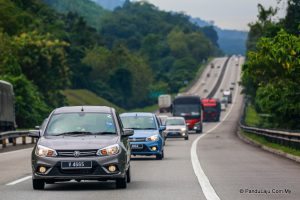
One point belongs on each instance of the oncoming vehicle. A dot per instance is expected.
(147, 139)
(211, 109)
(176, 128)
(82, 143)
(7, 109)
(190, 108)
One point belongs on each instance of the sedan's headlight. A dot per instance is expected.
(109, 151)
(153, 138)
(42, 151)
(183, 129)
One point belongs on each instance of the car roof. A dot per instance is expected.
(72, 109)
(144, 114)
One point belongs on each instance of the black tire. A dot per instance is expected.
(38, 184)
(128, 174)
(186, 138)
(160, 156)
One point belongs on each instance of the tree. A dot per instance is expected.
(273, 72)
(292, 19)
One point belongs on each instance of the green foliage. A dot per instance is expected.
(264, 27)
(43, 61)
(292, 19)
(272, 72)
(172, 46)
(89, 10)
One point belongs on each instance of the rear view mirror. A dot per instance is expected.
(127, 132)
(34, 133)
(162, 128)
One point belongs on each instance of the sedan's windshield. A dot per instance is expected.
(138, 122)
(175, 122)
(81, 123)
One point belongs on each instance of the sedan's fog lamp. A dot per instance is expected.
(153, 148)
(42, 169)
(112, 168)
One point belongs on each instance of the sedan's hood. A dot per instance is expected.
(144, 133)
(78, 142)
(175, 127)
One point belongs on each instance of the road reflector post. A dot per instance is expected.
(24, 140)
(3, 143)
(14, 141)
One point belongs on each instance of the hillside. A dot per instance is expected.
(90, 11)
(109, 4)
(230, 41)
(85, 97)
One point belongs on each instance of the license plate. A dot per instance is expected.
(76, 164)
(136, 146)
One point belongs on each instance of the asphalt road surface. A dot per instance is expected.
(213, 165)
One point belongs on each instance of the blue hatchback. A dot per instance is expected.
(147, 139)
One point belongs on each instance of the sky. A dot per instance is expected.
(229, 14)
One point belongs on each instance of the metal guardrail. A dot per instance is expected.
(13, 135)
(284, 138)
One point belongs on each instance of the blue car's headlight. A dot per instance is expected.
(153, 138)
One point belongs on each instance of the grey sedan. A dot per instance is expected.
(82, 143)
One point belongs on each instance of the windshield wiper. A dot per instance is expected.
(74, 133)
(104, 133)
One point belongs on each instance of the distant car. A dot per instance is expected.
(224, 103)
(205, 90)
(81, 143)
(176, 128)
(212, 65)
(219, 66)
(148, 136)
(208, 75)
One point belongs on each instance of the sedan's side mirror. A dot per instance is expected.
(127, 132)
(162, 128)
(34, 133)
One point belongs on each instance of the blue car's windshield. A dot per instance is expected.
(93, 123)
(138, 122)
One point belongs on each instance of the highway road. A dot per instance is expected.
(213, 165)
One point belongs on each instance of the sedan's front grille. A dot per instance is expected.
(76, 153)
(173, 130)
(137, 139)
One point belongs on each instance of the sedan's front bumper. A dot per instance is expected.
(146, 148)
(176, 134)
(98, 171)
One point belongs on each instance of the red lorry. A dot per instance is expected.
(211, 109)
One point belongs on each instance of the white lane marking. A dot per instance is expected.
(207, 188)
(16, 151)
(19, 180)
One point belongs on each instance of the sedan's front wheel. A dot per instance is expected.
(38, 184)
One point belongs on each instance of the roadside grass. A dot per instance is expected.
(263, 141)
(252, 118)
(85, 97)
